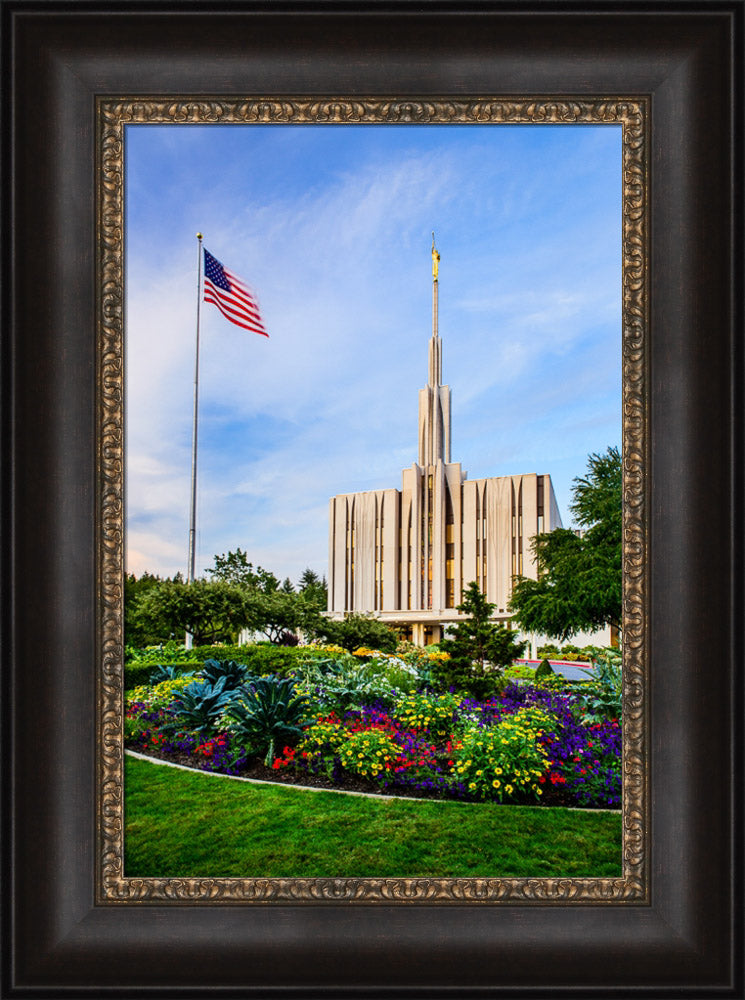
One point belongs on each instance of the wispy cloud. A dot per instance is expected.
(332, 229)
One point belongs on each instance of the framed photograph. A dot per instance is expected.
(346, 225)
(669, 919)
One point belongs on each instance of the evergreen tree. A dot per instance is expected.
(479, 648)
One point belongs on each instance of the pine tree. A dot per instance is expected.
(479, 648)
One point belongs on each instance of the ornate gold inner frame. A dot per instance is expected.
(112, 115)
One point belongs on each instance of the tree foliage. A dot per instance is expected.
(275, 614)
(136, 631)
(579, 577)
(314, 588)
(356, 630)
(237, 595)
(211, 610)
(235, 568)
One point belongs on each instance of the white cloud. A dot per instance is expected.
(329, 403)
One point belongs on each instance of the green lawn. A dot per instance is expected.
(180, 824)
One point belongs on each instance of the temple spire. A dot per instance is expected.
(434, 399)
(435, 272)
(435, 348)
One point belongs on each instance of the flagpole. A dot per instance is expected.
(193, 516)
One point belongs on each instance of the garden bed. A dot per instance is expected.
(527, 746)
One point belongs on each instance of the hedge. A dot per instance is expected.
(261, 658)
(136, 674)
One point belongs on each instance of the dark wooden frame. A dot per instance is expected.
(688, 58)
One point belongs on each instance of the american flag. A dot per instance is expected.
(230, 295)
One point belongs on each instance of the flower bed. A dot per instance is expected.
(529, 745)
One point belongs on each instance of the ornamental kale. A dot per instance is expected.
(198, 707)
(268, 711)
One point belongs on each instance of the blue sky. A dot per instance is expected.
(331, 226)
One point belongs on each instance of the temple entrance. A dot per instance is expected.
(425, 635)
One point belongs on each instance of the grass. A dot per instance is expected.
(180, 824)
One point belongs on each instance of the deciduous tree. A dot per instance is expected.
(579, 576)
(356, 630)
(211, 610)
(235, 568)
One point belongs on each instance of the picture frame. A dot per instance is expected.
(685, 934)
(628, 118)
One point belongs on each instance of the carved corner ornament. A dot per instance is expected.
(113, 884)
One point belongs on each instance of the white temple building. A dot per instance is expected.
(407, 555)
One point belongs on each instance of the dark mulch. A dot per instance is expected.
(552, 796)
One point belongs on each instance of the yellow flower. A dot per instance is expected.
(496, 783)
(509, 789)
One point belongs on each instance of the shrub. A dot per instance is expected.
(544, 669)
(165, 652)
(549, 651)
(368, 753)
(287, 638)
(430, 713)
(567, 652)
(503, 761)
(324, 736)
(399, 675)
(261, 658)
(338, 684)
(158, 695)
(357, 630)
(219, 651)
(264, 659)
(138, 674)
(168, 672)
(602, 697)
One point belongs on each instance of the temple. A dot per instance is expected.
(407, 555)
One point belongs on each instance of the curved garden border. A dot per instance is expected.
(343, 791)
